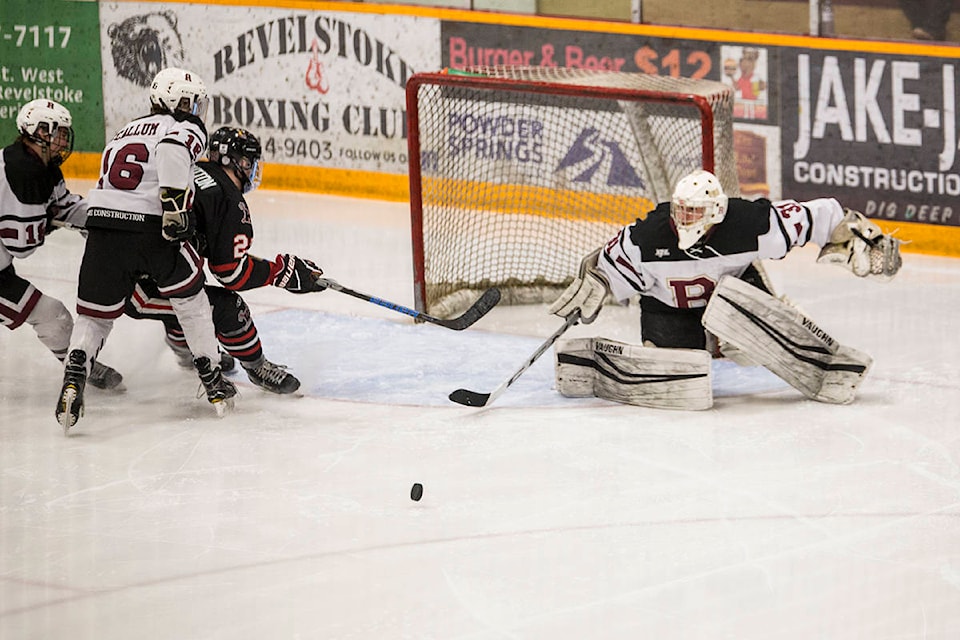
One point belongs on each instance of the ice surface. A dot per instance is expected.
(768, 517)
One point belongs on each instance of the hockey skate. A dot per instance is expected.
(185, 358)
(219, 390)
(104, 377)
(70, 405)
(272, 377)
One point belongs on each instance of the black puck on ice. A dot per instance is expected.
(416, 491)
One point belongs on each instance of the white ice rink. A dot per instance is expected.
(769, 517)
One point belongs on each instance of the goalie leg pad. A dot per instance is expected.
(632, 374)
(777, 336)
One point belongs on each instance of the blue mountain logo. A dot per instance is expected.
(590, 153)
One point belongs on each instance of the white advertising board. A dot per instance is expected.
(319, 88)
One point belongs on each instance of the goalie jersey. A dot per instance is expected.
(644, 257)
(225, 231)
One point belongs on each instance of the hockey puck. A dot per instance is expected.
(416, 491)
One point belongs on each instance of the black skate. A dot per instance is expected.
(70, 405)
(185, 358)
(219, 390)
(273, 377)
(104, 377)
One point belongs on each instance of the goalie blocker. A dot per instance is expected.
(781, 339)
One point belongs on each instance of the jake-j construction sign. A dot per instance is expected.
(879, 132)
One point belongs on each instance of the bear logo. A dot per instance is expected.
(143, 45)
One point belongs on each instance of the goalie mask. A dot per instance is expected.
(240, 150)
(176, 89)
(47, 124)
(698, 203)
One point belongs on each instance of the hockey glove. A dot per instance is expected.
(858, 244)
(297, 275)
(586, 293)
(178, 222)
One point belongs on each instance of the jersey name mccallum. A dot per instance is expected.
(138, 129)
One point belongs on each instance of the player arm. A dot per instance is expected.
(620, 262)
(175, 157)
(243, 273)
(592, 285)
(794, 224)
(67, 209)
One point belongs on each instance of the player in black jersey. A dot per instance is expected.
(224, 237)
(674, 257)
(34, 200)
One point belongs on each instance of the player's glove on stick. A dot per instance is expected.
(586, 293)
(858, 244)
(297, 275)
(178, 222)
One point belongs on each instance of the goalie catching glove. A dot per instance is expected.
(858, 244)
(585, 294)
(297, 275)
(178, 222)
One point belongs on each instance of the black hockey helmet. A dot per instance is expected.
(239, 149)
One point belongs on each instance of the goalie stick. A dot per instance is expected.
(484, 303)
(476, 399)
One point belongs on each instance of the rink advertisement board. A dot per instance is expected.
(879, 132)
(749, 70)
(320, 88)
(50, 49)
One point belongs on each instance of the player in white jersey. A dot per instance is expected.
(34, 200)
(138, 219)
(675, 256)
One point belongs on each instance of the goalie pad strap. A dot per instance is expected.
(632, 374)
(783, 340)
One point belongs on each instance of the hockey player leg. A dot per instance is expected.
(88, 336)
(633, 374)
(193, 313)
(54, 325)
(778, 337)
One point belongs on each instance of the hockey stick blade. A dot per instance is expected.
(477, 310)
(476, 399)
(480, 308)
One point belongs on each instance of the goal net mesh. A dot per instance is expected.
(518, 172)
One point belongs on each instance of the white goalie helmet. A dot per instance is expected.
(49, 125)
(698, 203)
(172, 85)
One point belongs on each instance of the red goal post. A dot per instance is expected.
(516, 173)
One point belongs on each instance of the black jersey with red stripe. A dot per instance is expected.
(225, 230)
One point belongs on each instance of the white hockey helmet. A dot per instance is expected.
(172, 86)
(698, 203)
(45, 123)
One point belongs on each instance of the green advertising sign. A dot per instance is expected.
(51, 49)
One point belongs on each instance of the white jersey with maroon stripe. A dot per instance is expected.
(644, 258)
(31, 196)
(137, 162)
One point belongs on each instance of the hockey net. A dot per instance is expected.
(516, 173)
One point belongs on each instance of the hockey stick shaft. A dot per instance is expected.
(484, 303)
(475, 399)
